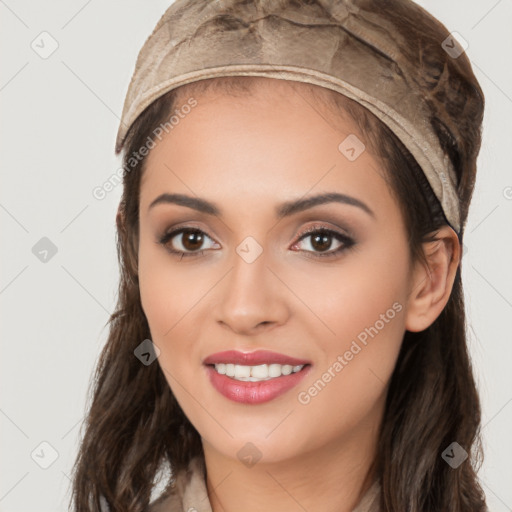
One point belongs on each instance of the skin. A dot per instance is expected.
(247, 155)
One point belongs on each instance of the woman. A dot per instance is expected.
(290, 329)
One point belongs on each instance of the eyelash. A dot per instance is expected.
(347, 242)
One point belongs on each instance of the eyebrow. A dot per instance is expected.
(282, 210)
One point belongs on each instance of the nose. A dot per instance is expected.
(252, 298)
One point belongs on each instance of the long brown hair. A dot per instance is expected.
(135, 427)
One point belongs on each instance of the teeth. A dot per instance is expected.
(230, 370)
(256, 373)
(286, 369)
(221, 368)
(242, 372)
(259, 372)
(274, 370)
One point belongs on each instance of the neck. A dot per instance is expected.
(330, 479)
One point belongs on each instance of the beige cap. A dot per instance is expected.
(346, 46)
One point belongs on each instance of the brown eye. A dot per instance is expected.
(186, 241)
(322, 239)
(192, 240)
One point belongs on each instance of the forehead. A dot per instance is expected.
(254, 91)
(278, 137)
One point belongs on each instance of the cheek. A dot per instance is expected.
(170, 299)
(166, 300)
(347, 388)
(158, 294)
(165, 296)
(365, 293)
(362, 313)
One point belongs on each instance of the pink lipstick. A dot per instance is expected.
(254, 377)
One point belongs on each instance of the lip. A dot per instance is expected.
(253, 393)
(247, 392)
(253, 358)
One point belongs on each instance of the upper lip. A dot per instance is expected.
(253, 358)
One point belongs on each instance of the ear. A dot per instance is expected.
(432, 284)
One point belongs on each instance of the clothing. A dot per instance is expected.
(190, 494)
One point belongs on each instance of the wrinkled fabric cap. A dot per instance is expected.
(331, 43)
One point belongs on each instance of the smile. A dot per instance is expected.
(257, 373)
(254, 377)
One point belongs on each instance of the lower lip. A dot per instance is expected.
(254, 392)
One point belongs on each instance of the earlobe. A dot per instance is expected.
(432, 284)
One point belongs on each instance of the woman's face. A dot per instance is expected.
(254, 280)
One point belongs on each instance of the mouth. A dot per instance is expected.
(259, 373)
(269, 376)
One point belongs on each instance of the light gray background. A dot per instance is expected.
(59, 118)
